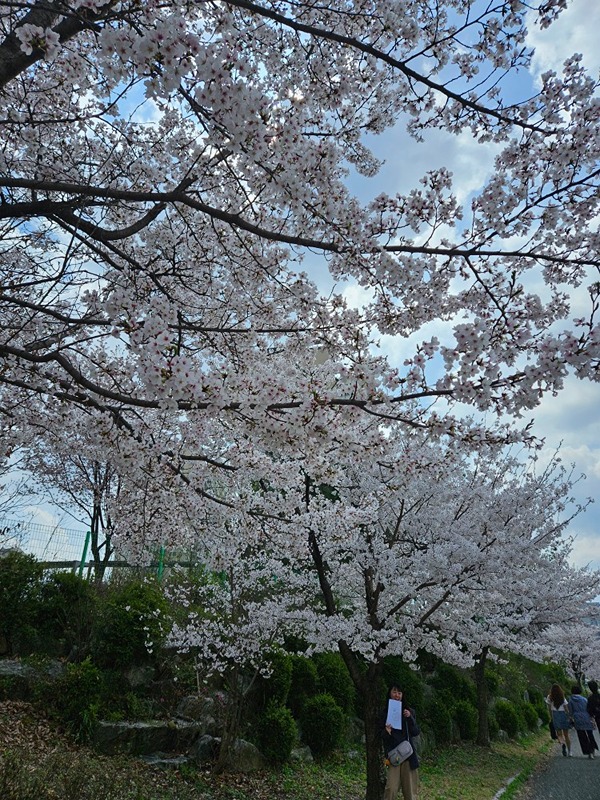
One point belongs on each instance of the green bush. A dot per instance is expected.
(334, 679)
(277, 734)
(76, 698)
(277, 686)
(20, 578)
(535, 696)
(131, 626)
(303, 683)
(453, 685)
(437, 720)
(66, 614)
(322, 724)
(465, 716)
(529, 715)
(543, 713)
(493, 727)
(508, 717)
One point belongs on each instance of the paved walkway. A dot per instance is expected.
(576, 778)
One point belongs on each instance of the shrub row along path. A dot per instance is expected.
(559, 778)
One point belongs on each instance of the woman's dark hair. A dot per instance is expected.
(394, 686)
(593, 686)
(576, 689)
(557, 696)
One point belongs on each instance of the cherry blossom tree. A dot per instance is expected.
(575, 647)
(66, 461)
(424, 549)
(165, 166)
(169, 174)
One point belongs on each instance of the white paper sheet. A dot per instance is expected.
(394, 715)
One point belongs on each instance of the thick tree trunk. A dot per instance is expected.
(372, 700)
(368, 687)
(483, 732)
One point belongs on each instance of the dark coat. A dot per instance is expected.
(593, 707)
(393, 739)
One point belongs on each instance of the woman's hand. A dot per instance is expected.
(388, 728)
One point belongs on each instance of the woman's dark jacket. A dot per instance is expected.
(409, 730)
(593, 706)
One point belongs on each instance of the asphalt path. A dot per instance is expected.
(559, 778)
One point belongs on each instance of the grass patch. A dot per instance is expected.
(468, 772)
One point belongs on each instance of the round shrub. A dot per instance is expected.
(508, 717)
(535, 696)
(437, 721)
(131, 625)
(303, 683)
(493, 682)
(466, 718)
(277, 686)
(529, 715)
(322, 724)
(277, 734)
(334, 679)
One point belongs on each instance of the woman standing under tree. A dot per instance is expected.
(406, 775)
(584, 722)
(559, 711)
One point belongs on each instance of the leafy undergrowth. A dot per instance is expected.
(38, 763)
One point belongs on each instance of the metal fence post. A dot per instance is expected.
(88, 536)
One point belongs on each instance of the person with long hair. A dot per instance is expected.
(583, 721)
(405, 776)
(559, 711)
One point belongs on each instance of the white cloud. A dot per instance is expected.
(586, 551)
(575, 31)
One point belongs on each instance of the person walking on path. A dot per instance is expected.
(583, 721)
(559, 711)
(405, 776)
(593, 703)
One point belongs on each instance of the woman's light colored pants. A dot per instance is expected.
(402, 777)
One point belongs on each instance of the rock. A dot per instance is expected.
(245, 757)
(21, 677)
(140, 675)
(164, 761)
(207, 712)
(302, 755)
(355, 730)
(11, 668)
(143, 738)
(204, 750)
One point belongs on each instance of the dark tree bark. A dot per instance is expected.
(483, 732)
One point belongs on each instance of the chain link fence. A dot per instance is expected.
(52, 545)
(56, 547)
